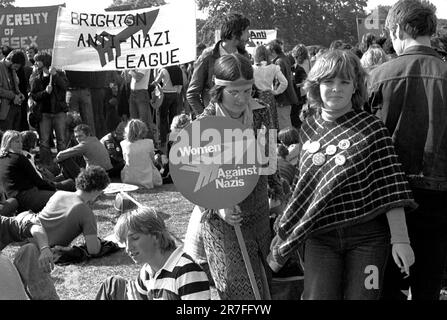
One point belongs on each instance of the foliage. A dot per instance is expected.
(134, 4)
(6, 3)
(297, 21)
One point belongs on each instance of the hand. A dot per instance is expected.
(52, 71)
(231, 216)
(132, 292)
(17, 100)
(45, 260)
(49, 89)
(403, 256)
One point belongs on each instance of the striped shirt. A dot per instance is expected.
(359, 180)
(179, 279)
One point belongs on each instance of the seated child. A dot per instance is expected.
(179, 122)
(290, 138)
(138, 153)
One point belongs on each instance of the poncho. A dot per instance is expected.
(348, 173)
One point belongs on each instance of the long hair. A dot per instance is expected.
(373, 57)
(230, 67)
(337, 63)
(261, 54)
(145, 220)
(7, 138)
(135, 130)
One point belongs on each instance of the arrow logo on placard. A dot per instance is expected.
(110, 41)
(209, 172)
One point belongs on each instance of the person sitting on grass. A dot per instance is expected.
(168, 273)
(18, 176)
(33, 261)
(92, 150)
(138, 152)
(68, 214)
(112, 142)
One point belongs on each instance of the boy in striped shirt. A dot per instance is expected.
(167, 274)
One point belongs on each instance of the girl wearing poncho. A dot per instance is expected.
(351, 190)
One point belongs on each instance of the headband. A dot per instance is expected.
(238, 82)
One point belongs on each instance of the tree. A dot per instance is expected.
(297, 21)
(6, 3)
(119, 5)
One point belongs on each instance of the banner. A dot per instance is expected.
(21, 27)
(371, 24)
(117, 40)
(257, 37)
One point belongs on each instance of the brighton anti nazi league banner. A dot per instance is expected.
(21, 27)
(115, 40)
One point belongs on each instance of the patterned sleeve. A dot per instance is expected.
(392, 187)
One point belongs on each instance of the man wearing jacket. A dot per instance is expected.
(10, 96)
(48, 89)
(234, 35)
(409, 94)
(287, 98)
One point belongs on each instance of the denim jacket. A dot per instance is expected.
(409, 94)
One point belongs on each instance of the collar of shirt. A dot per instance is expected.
(169, 264)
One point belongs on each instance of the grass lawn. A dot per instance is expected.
(82, 281)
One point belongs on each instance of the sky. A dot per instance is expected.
(441, 5)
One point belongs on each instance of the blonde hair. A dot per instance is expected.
(180, 121)
(135, 130)
(7, 138)
(337, 63)
(373, 57)
(145, 220)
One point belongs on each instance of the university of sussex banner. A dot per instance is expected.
(117, 40)
(21, 27)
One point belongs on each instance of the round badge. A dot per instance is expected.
(340, 159)
(216, 162)
(318, 159)
(314, 147)
(344, 144)
(331, 150)
(306, 145)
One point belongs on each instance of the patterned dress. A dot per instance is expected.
(221, 246)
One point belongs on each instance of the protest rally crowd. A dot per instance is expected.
(355, 205)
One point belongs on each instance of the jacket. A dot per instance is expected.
(409, 93)
(288, 97)
(49, 103)
(8, 90)
(18, 174)
(202, 79)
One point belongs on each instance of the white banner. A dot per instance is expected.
(117, 40)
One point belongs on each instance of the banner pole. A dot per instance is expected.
(248, 266)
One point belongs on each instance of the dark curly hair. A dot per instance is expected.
(93, 178)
